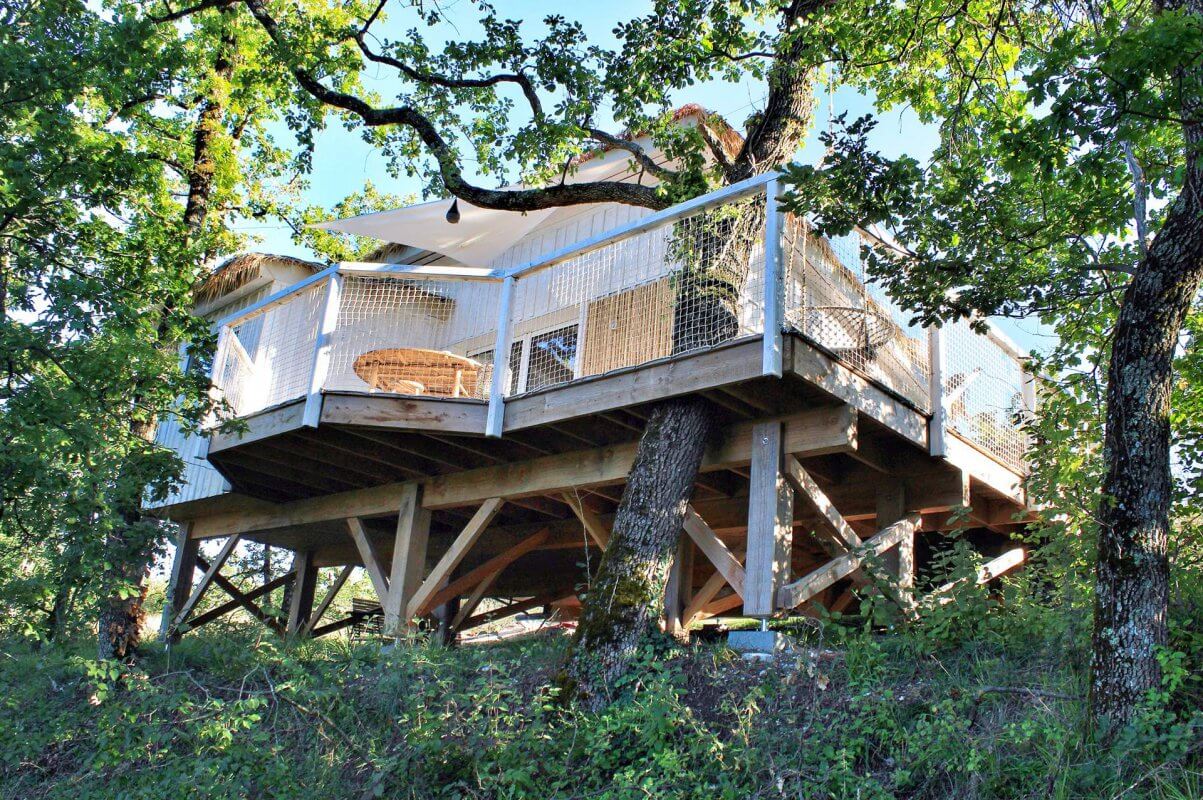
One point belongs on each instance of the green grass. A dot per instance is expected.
(231, 714)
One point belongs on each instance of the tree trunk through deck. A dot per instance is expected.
(713, 251)
(1132, 572)
(623, 602)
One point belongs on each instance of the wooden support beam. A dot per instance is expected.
(304, 581)
(770, 522)
(333, 627)
(227, 607)
(205, 581)
(324, 605)
(180, 586)
(468, 606)
(596, 529)
(243, 599)
(714, 549)
(798, 592)
(697, 604)
(678, 589)
(805, 485)
(409, 559)
(490, 569)
(716, 607)
(514, 608)
(992, 569)
(420, 602)
(371, 560)
(818, 431)
(899, 562)
(815, 432)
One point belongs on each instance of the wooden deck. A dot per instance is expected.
(557, 473)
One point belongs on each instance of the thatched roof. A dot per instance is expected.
(236, 272)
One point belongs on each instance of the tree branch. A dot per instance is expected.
(640, 155)
(449, 168)
(715, 145)
(447, 82)
(172, 16)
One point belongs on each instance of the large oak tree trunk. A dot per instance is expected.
(623, 602)
(1132, 573)
(130, 543)
(713, 252)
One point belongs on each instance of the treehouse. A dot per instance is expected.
(459, 417)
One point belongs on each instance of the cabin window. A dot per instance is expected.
(551, 359)
(539, 360)
(486, 357)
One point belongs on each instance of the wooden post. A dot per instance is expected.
(369, 557)
(938, 426)
(304, 581)
(216, 564)
(446, 614)
(494, 424)
(322, 607)
(900, 562)
(774, 285)
(677, 593)
(180, 587)
(409, 559)
(322, 348)
(420, 602)
(770, 522)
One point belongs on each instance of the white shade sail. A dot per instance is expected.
(480, 235)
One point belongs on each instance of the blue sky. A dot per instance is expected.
(343, 163)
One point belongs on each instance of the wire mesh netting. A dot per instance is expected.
(407, 336)
(984, 392)
(685, 285)
(828, 299)
(680, 287)
(267, 359)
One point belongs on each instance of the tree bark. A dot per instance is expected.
(1132, 571)
(623, 602)
(714, 249)
(131, 542)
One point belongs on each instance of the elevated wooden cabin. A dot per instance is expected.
(380, 431)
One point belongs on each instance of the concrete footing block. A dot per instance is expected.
(768, 643)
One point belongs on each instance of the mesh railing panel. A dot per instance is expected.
(828, 300)
(684, 286)
(984, 392)
(268, 358)
(405, 336)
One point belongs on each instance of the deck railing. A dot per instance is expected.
(691, 277)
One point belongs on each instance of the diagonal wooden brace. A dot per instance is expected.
(596, 528)
(206, 580)
(714, 549)
(798, 592)
(841, 539)
(421, 601)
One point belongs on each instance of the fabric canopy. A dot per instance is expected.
(480, 235)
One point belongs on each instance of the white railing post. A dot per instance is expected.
(322, 345)
(774, 284)
(938, 427)
(501, 361)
